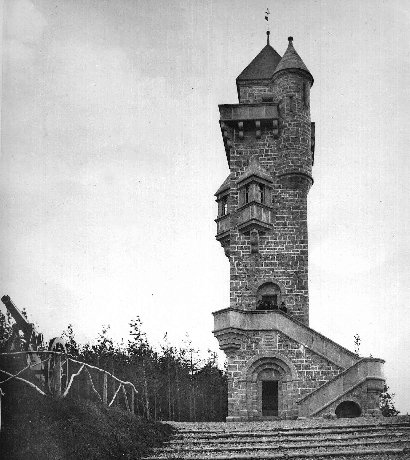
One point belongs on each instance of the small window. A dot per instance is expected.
(260, 193)
(223, 206)
(247, 193)
(267, 98)
(306, 94)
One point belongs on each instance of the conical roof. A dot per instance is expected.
(262, 67)
(292, 60)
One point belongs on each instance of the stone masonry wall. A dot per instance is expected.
(283, 251)
(312, 371)
(367, 400)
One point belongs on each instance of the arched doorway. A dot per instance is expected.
(270, 386)
(348, 409)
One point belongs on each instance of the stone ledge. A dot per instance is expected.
(251, 320)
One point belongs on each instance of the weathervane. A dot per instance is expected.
(267, 13)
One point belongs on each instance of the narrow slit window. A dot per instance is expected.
(247, 193)
(224, 206)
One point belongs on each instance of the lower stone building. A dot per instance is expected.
(277, 365)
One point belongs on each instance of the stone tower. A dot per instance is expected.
(277, 365)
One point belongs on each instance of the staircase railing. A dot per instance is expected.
(363, 370)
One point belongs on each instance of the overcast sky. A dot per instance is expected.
(111, 153)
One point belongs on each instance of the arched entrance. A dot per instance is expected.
(348, 409)
(270, 388)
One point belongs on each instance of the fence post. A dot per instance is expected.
(105, 389)
(132, 401)
(1, 394)
(57, 375)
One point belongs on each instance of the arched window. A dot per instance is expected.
(348, 409)
(268, 297)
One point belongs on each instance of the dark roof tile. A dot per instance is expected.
(225, 185)
(262, 67)
(292, 60)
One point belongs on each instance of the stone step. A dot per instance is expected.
(359, 439)
(286, 446)
(282, 432)
(385, 435)
(357, 454)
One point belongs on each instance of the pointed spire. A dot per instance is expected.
(292, 60)
(267, 37)
(262, 66)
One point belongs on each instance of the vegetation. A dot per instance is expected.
(386, 399)
(172, 383)
(40, 428)
(357, 342)
(387, 403)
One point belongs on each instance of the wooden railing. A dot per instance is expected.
(59, 375)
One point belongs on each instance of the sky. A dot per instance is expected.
(111, 153)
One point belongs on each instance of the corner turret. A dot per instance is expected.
(292, 61)
(291, 83)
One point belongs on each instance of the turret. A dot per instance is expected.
(291, 83)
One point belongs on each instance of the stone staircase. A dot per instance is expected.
(360, 380)
(359, 438)
(365, 372)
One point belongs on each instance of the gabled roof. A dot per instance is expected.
(292, 60)
(255, 169)
(262, 67)
(225, 185)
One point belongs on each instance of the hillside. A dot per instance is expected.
(35, 427)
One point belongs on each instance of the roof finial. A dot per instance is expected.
(290, 39)
(267, 13)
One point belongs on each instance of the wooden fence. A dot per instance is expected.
(57, 374)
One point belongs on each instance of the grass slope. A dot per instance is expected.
(37, 427)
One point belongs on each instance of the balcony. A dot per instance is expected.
(222, 227)
(248, 112)
(255, 215)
